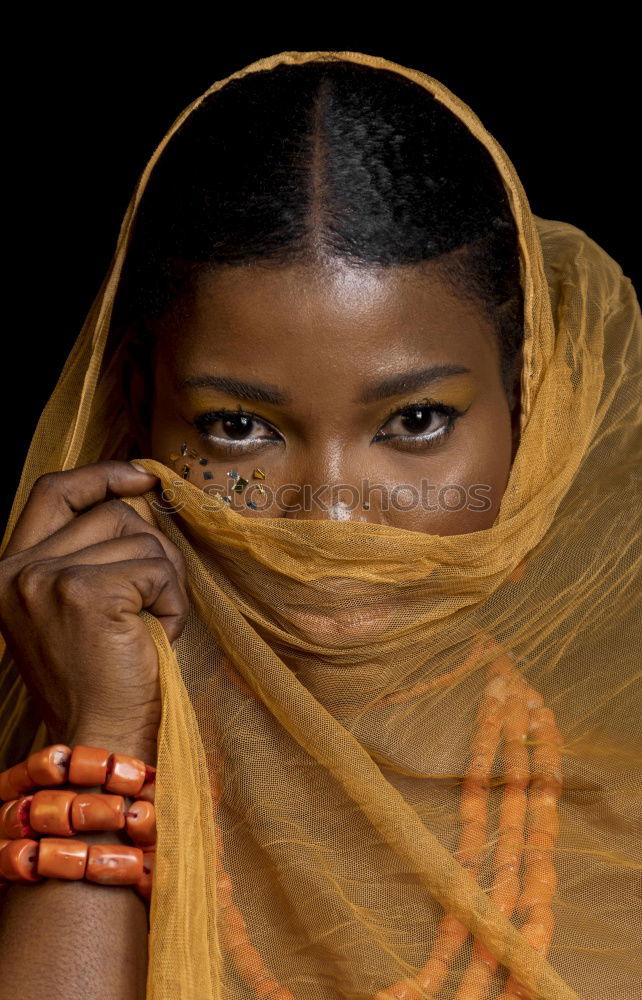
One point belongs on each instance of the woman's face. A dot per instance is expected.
(367, 395)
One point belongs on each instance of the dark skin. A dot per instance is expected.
(323, 338)
(81, 564)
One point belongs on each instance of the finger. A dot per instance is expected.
(114, 551)
(57, 498)
(108, 522)
(126, 588)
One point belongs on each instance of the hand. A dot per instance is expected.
(79, 566)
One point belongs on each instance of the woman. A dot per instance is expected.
(376, 609)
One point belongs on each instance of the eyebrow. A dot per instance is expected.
(410, 381)
(262, 392)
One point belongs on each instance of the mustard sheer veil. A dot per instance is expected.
(395, 764)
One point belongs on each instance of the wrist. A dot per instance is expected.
(142, 745)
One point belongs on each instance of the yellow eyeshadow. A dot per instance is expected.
(458, 392)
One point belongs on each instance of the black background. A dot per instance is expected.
(89, 102)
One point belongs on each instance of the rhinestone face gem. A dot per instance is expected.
(233, 474)
(251, 504)
(207, 474)
(261, 489)
(174, 457)
(227, 499)
(184, 448)
(258, 474)
(185, 471)
(202, 461)
(239, 485)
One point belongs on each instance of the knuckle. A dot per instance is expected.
(111, 464)
(177, 560)
(173, 578)
(153, 544)
(125, 519)
(118, 507)
(167, 568)
(29, 581)
(70, 585)
(49, 482)
(120, 514)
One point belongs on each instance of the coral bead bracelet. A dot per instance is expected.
(55, 813)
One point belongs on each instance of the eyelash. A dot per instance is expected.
(414, 440)
(204, 420)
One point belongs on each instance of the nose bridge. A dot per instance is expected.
(330, 487)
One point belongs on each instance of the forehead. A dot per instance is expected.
(302, 318)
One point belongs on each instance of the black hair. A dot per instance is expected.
(326, 158)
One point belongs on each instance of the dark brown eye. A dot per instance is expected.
(418, 419)
(420, 424)
(224, 427)
(238, 426)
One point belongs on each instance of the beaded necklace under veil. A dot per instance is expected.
(394, 764)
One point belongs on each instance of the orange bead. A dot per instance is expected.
(141, 823)
(473, 802)
(475, 980)
(15, 781)
(269, 989)
(114, 864)
(125, 775)
(518, 571)
(539, 928)
(513, 991)
(262, 977)
(49, 767)
(234, 929)
(19, 861)
(88, 766)
(4, 883)
(406, 990)
(544, 817)
(535, 893)
(542, 838)
(50, 811)
(5, 810)
(14, 819)
(224, 890)
(148, 791)
(249, 963)
(97, 811)
(144, 885)
(216, 788)
(61, 858)
(514, 804)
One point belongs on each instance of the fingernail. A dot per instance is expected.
(141, 469)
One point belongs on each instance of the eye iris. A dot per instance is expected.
(417, 419)
(237, 426)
